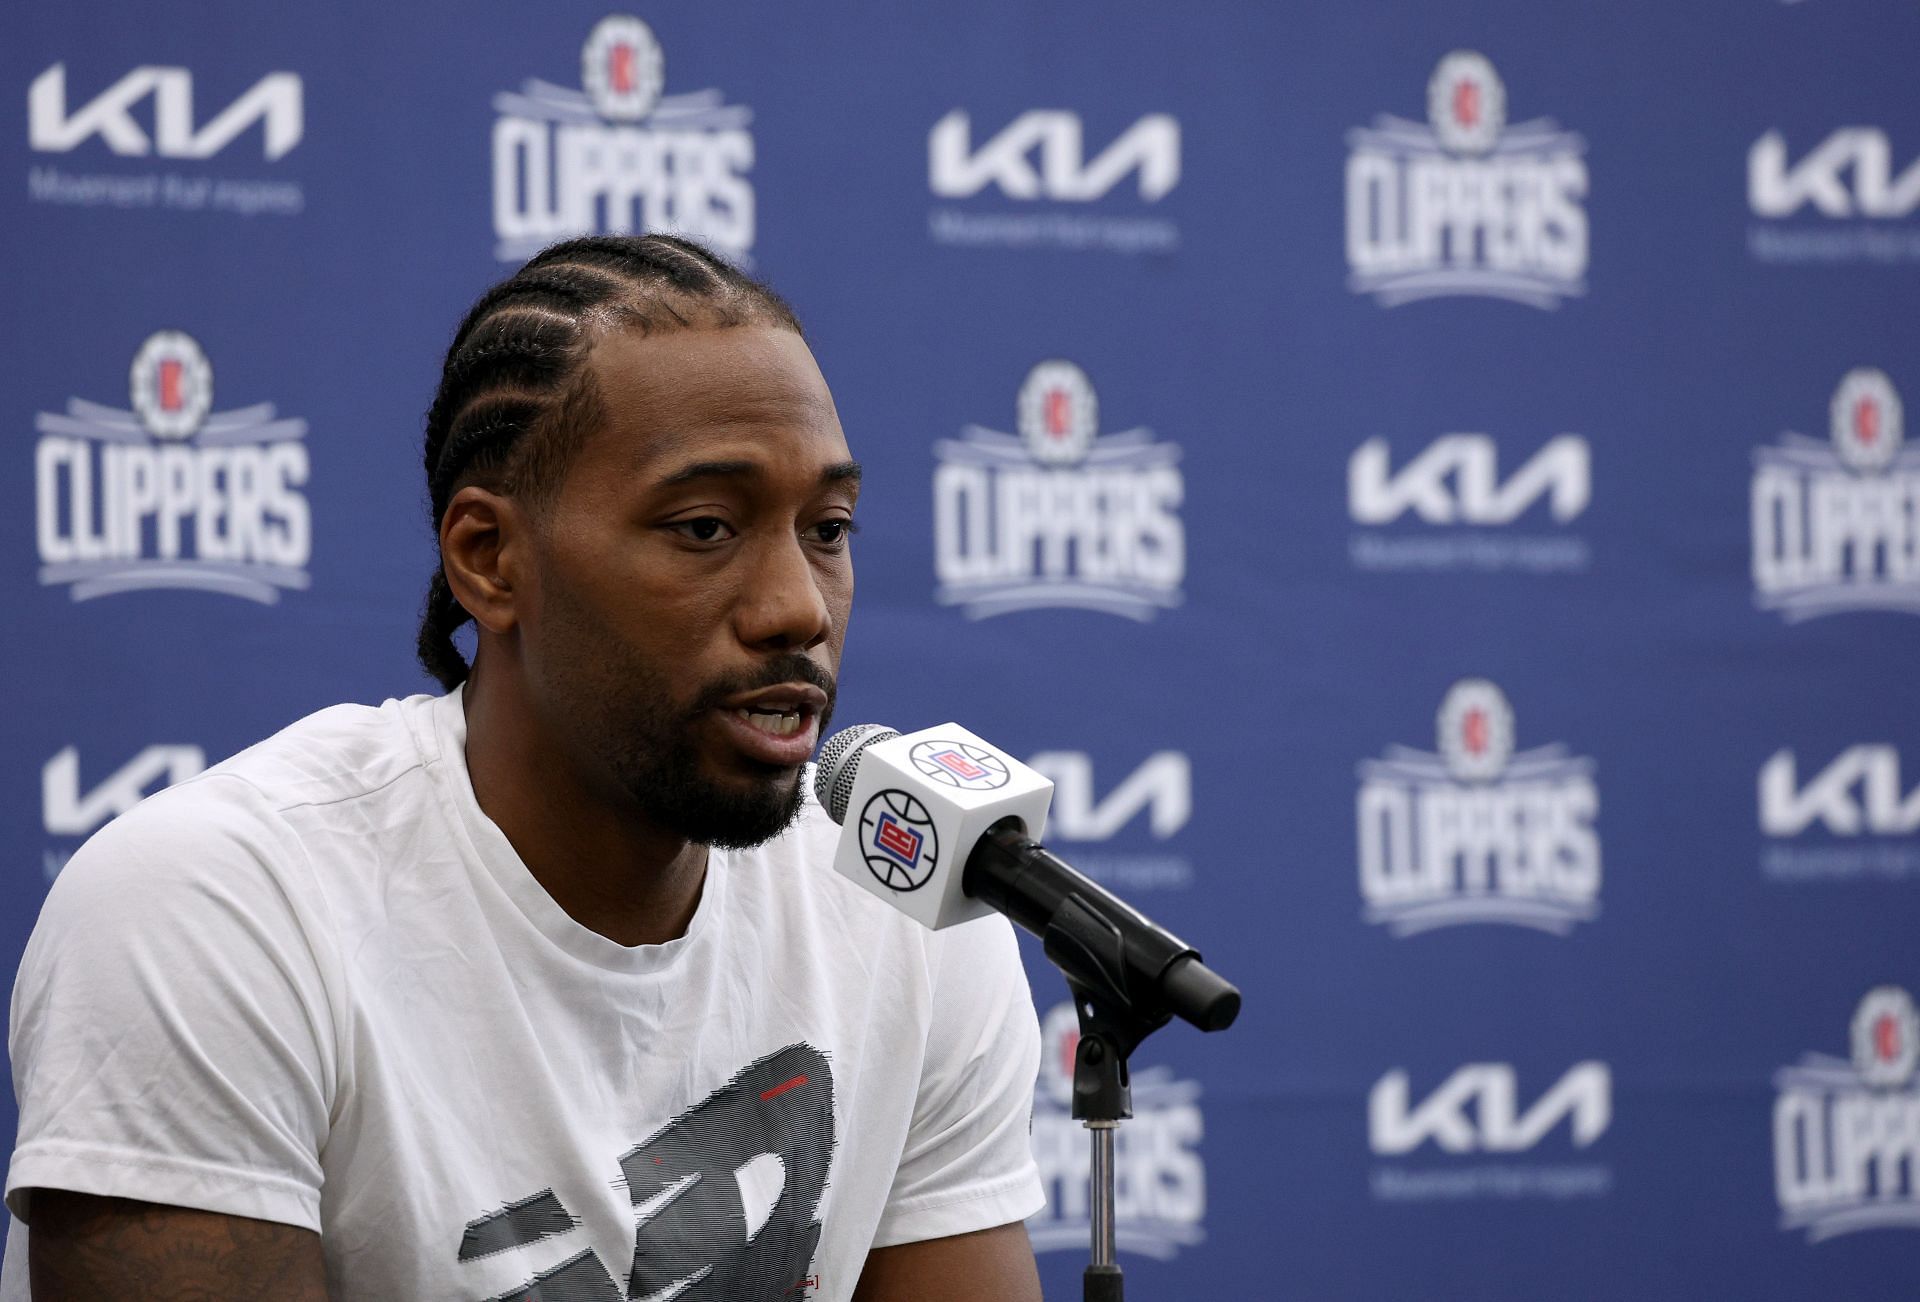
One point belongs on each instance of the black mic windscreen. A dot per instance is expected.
(839, 761)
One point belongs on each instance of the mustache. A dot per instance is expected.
(790, 667)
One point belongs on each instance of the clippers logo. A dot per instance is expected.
(622, 70)
(1041, 158)
(1058, 515)
(958, 764)
(1160, 1178)
(1836, 523)
(1467, 203)
(892, 839)
(902, 848)
(618, 155)
(1478, 833)
(1846, 1134)
(1454, 484)
(172, 494)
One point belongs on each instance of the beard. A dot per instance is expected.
(620, 707)
(653, 756)
(623, 712)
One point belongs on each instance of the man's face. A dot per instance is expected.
(694, 580)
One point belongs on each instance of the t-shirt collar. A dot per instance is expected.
(490, 846)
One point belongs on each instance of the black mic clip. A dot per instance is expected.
(1129, 978)
(1091, 953)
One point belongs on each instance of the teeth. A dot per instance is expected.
(779, 723)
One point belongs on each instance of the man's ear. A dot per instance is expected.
(484, 540)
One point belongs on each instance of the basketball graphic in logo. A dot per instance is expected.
(622, 69)
(1476, 730)
(898, 840)
(1886, 1038)
(1058, 413)
(1866, 419)
(960, 764)
(172, 385)
(1466, 103)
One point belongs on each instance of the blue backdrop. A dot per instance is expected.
(1426, 481)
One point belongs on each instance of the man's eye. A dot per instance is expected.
(707, 528)
(835, 532)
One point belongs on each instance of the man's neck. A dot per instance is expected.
(611, 870)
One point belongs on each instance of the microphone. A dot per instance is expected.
(943, 827)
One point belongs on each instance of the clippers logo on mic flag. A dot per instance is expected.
(896, 841)
(1844, 1131)
(959, 765)
(904, 847)
(914, 808)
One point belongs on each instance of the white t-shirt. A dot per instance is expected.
(316, 985)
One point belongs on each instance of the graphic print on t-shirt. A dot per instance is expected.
(724, 1196)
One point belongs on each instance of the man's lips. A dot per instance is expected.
(776, 725)
(781, 698)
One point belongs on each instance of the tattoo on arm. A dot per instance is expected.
(85, 1247)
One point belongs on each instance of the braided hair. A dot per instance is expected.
(515, 399)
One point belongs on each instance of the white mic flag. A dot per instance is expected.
(916, 807)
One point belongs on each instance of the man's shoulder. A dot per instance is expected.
(249, 809)
(336, 754)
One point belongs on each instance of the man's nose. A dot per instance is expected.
(781, 605)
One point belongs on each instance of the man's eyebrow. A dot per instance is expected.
(840, 472)
(711, 470)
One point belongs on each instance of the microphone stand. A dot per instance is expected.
(1127, 981)
(1112, 1025)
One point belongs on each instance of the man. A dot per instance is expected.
(544, 988)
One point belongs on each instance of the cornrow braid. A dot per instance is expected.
(514, 400)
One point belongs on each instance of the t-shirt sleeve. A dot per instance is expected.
(171, 1032)
(968, 1163)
